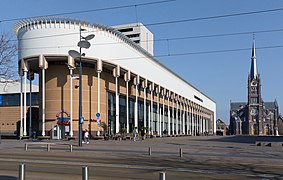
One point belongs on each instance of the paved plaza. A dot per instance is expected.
(204, 157)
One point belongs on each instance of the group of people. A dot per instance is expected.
(135, 132)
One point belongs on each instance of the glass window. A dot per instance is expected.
(253, 90)
(14, 99)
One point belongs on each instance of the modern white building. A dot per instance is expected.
(139, 34)
(121, 81)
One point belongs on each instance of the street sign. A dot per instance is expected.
(97, 115)
(82, 120)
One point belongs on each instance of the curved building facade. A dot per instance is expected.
(123, 85)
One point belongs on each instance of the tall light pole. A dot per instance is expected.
(83, 43)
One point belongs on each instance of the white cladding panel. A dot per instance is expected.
(15, 87)
(58, 39)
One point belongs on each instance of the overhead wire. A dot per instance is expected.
(164, 39)
(170, 22)
(215, 17)
(91, 10)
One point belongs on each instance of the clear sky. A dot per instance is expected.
(220, 75)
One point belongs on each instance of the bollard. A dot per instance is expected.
(149, 151)
(181, 152)
(48, 147)
(71, 147)
(162, 175)
(22, 174)
(26, 147)
(85, 173)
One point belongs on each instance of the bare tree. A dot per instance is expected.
(8, 63)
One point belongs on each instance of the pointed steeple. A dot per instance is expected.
(253, 72)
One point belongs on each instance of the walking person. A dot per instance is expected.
(86, 136)
(135, 133)
(142, 134)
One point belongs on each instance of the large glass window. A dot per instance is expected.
(111, 112)
(123, 113)
(14, 99)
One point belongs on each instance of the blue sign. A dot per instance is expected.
(0, 100)
(82, 119)
(97, 115)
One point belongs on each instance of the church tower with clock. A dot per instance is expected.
(255, 104)
(254, 117)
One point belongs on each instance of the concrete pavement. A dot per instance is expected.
(203, 158)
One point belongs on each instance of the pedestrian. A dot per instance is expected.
(142, 133)
(135, 133)
(86, 136)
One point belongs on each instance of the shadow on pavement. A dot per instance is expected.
(247, 139)
(8, 178)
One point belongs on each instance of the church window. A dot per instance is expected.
(254, 101)
(253, 90)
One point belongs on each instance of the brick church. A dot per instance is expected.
(254, 117)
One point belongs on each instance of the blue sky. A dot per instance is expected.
(222, 76)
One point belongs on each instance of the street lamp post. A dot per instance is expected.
(83, 43)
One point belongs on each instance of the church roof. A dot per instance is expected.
(253, 72)
(270, 105)
(237, 105)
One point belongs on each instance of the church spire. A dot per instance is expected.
(253, 73)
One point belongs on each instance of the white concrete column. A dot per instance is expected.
(186, 118)
(160, 119)
(30, 77)
(127, 106)
(169, 113)
(136, 83)
(151, 108)
(71, 68)
(198, 120)
(173, 115)
(182, 117)
(43, 65)
(25, 103)
(193, 121)
(116, 74)
(117, 106)
(99, 68)
(184, 113)
(149, 113)
(158, 114)
(71, 104)
(197, 130)
(144, 84)
(43, 102)
(127, 78)
(190, 120)
(163, 114)
(21, 100)
(177, 117)
(202, 122)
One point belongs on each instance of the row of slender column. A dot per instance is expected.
(194, 121)
(23, 96)
(160, 116)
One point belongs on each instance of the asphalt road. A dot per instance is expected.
(203, 158)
